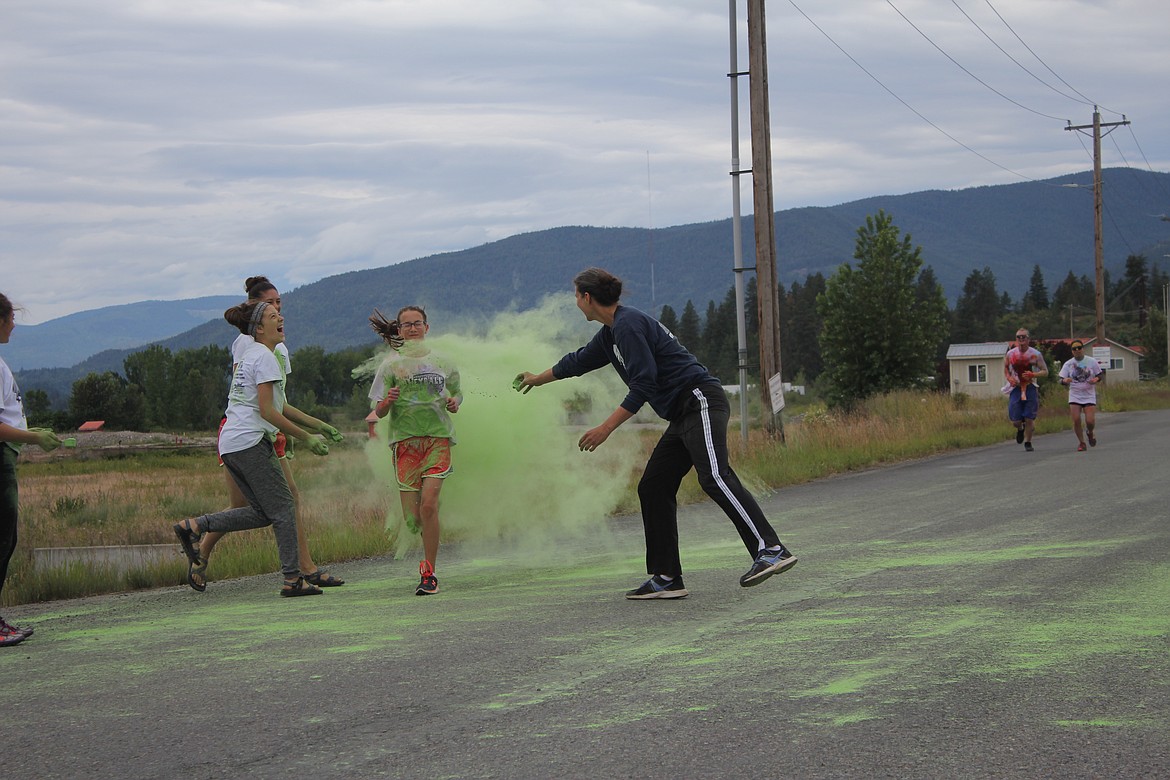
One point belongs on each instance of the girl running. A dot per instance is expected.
(420, 391)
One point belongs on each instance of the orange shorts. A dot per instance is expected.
(419, 458)
(279, 445)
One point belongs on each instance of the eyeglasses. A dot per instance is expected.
(1021, 336)
(1078, 346)
(415, 324)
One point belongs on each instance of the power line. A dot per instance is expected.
(895, 95)
(1081, 99)
(1042, 62)
(969, 73)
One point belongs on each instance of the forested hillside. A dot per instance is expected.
(1012, 230)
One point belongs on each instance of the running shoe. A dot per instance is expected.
(1027, 446)
(1081, 447)
(6, 626)
(10, 637)
(428, 583)
(658, 588)
(1092, 439)
(767, 563)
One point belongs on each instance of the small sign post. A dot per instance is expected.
(776, 391)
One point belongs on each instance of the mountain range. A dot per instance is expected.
(1008, 228)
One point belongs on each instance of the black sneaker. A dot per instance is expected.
(767, 563)
(1092, 439)
(1019, 435)
(428, 583)
(1027, 446)
(658, 588)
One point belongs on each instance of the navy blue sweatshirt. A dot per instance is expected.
(647, 357)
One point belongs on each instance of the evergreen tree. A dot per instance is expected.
(669, 319)
(801, 329)
(878, 335)
(977, 310)
(1036, 299)
(689, 329)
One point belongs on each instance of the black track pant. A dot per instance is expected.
(8, 509)
(697, 437)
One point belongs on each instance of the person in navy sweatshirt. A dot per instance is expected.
(661, 372)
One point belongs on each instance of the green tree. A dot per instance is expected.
(1036, 299)
(37, 408)
(199, 387)
(689, 331)
(721, 339)
(801, 325)
(878, 334)
(669, 319)
(107, 397)
(977, 310)
(150, 370)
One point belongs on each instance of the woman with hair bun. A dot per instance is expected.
(661, 372)
(259, 288)
(256, 412)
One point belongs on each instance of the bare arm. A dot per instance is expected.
(595, 437)
(46, 440)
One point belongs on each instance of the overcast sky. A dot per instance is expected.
(164, 149)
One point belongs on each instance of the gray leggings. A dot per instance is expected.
(257, 473)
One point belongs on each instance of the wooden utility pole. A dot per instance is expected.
(1098, 247)
(768, 303)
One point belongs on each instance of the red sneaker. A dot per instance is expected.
(428, 583)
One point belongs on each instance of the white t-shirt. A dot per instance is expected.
(11, 407)
(245, 427)
(243, 341)
(1081, 390)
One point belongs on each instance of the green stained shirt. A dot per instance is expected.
(427, 381)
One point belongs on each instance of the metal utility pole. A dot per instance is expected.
(736, 228)
(769, 306)
(1098, 249)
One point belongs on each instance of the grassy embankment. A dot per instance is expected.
(134, 500)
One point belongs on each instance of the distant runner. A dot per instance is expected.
(1021, 366)
(1080, 374)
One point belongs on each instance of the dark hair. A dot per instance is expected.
(255, 286)
(602, 286)
(241, 315)
(419, 309)
(387, 329)
(6, 307)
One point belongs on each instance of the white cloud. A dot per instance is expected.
(155, 149)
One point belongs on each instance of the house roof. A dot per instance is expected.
(988, 349)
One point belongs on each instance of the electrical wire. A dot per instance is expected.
(897, 97)
(1081, 99)
(1042, 62)
(965, 70)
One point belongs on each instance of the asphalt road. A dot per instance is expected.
(990, 613)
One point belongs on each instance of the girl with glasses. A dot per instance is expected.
(419, 390)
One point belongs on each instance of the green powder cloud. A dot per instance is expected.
(520, 480)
